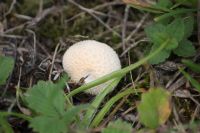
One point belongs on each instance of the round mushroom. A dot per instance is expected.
(90, 60)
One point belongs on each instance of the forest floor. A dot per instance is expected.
(37, 34)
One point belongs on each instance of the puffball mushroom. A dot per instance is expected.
(91, 60)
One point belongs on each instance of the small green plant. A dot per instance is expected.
(177, 31)
(171, 24)
(118, 126)
(194, 67)
(48, 101)
(6, 67)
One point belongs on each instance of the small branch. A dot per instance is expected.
(53, 60)
(124, 27)
(90, 12)
(11, 7)
(34, 46)
(138, 27)
(106, 4)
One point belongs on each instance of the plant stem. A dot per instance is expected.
(25, 117)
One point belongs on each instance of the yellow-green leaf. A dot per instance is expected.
(154, 108)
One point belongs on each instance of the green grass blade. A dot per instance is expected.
(173, 13)
(194, 67)
(5, 114)
(194, 82)
(109, 104)
(118, 73)
(5, 125)
(150, 9)
(98, 99)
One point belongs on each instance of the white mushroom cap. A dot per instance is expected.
(90, 59)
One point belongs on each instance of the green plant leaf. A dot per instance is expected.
(46, 98)
(118, 126)
(153, 30)
(46, 124)
(193, 66)
(162, 56)
(193, 81)
(48, 101)
(6, 114)
(176, 29)
(172, 44)
(185, 49)
(154, 108)
(6, 67)
(49, 124)
(174, 13)
(189, 26)
(188, 2)
(164, 3)
(157, 34)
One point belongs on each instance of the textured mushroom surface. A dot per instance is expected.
(90, 59)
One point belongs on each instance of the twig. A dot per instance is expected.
(178, 119)
(195, 114)
(34, 47)
(35, 20)
(172, 79)
(11, 7)
(138, 27)
(179, 82)
(12, 36)
(131, 76)
(53, 60)
(124, 27)
(90, 12)
(40, 7)
(44, 49)
(128, 110)
(133, 45)
(194, 100)
(16, 28)
(42, 15)
(95, 8)
(21, 16)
